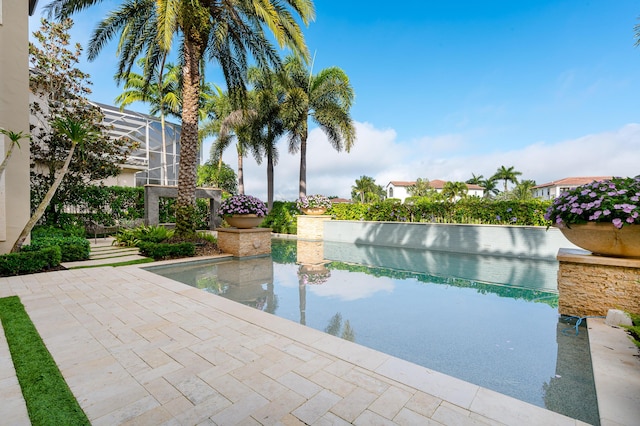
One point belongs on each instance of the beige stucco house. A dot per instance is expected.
(14, 116)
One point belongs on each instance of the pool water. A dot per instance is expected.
(488, 320)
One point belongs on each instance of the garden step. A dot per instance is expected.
(114, 253)
(103, 261)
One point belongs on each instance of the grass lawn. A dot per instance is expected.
(49, 399)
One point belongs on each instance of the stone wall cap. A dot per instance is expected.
(586, 257)
(243, 231)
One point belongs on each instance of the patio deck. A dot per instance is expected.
(137, 348)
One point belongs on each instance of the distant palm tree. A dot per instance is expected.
(366, 189)
(161, 92)
(490, 187)
(507, 175)
(524, 190)
(421, 188)
(326, 98)
(453, 190)
(475, 180)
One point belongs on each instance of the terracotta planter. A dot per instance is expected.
(605, 239)
(244, 221)
(314, 211)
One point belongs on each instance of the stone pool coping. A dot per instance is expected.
(138, 348)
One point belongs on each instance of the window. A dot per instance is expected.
(391, 192)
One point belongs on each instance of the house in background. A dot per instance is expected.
(14, 116)
(400, 189)
(551, 190)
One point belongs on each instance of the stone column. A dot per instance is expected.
(245, 242)
(591, 285)
(311, 227)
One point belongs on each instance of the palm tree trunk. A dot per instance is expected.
(269, 178)
(303, 166)
(240, 171)
(6, 157)
(185, 211)
(44, 203)
(163, 169)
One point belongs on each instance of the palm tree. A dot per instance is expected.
(226, 32)
(326, 98)
(269, 124)
(507, 174)
(14, 137)
(490, 187)
(452, 190)
(524, 190)
(421, 188)
(366, 189)
(475, 180)
(76, 131)
(161, 93)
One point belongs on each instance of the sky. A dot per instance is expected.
(444, 89)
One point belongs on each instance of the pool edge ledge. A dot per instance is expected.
(616, 371)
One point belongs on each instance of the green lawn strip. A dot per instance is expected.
(48, 397)
(130, 262)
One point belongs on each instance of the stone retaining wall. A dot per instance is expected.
(591, 285)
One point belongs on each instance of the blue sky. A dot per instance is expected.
(449, 88)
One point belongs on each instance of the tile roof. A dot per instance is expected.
(573, 181)
(435, 184)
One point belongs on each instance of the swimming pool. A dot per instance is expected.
(491, 321)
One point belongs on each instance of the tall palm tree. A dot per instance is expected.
(269, 124)
(421, 188)
(326, 99)
(162, 95)
(223, 31)
(507, 175)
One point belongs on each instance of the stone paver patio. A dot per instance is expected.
(137, 348)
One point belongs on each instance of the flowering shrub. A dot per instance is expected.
(242, 204)
(313, 201)
(613, 200)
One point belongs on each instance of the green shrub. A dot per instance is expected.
(346, 211)
(282, 218)
(53, 231)
(29, 262)
(72, 248)
(634, 329)
(151, 234)
(160, 251)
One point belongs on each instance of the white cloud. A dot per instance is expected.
(379, 154)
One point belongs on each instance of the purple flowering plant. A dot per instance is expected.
(242, 204)
(313, 201)
(615, 200)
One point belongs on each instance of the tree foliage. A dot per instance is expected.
(64, 119)
(214, 174)
(366, 190)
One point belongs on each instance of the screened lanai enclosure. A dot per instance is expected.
(158, 166)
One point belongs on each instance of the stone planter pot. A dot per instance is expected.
(605, 239)
(244, 221)
(314, 211)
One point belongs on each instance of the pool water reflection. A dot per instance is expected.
(499, 330)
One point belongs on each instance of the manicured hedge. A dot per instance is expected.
(160, 251)
(72, 248)
(470, 210)
(29, 262)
